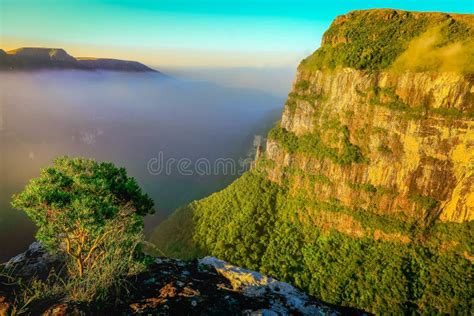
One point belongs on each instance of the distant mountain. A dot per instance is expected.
(36, 58)
(112, 64)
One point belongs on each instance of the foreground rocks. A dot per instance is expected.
(208, 286)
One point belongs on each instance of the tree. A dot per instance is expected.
(86, 210)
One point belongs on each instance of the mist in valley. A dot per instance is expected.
(127, 119)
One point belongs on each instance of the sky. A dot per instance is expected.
(182, 33)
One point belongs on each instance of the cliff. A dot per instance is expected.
(207, 286)
(364, 195)
(34, 58)
(413, 130)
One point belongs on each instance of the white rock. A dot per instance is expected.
(254, 284)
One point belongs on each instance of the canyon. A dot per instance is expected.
(364, 193)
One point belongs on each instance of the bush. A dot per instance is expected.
(92, 213)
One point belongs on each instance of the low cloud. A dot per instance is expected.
(425, 54)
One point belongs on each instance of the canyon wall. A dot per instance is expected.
(385, 139)
(414, 131)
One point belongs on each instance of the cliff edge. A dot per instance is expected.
(207, 286)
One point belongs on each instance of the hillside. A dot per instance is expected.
(364, 196)
(35, 58)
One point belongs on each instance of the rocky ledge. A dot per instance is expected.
(207, 286)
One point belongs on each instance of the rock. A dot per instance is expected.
(4, 306)
(35, 261)
(208, 286)
(284, 299)
(63, 309)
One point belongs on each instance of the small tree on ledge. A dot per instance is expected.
(92, 212)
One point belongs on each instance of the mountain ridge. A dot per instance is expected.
(37, 58)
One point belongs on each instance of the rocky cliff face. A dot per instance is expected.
(413, 132)
(420, 148)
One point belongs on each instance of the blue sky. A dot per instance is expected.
(188, 33)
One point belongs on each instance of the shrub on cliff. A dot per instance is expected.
(92, 213)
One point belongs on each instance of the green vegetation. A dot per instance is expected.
(175, 236)
(312, 144)
(92, 215)
(384, 149)
(419, 112)
(321, 178)
(367, 187)
(425, 203)
(310, 98)
(302, 85)
(374, 39)
(259, 225)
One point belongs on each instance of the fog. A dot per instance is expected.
(125, 118)
(273, 80)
